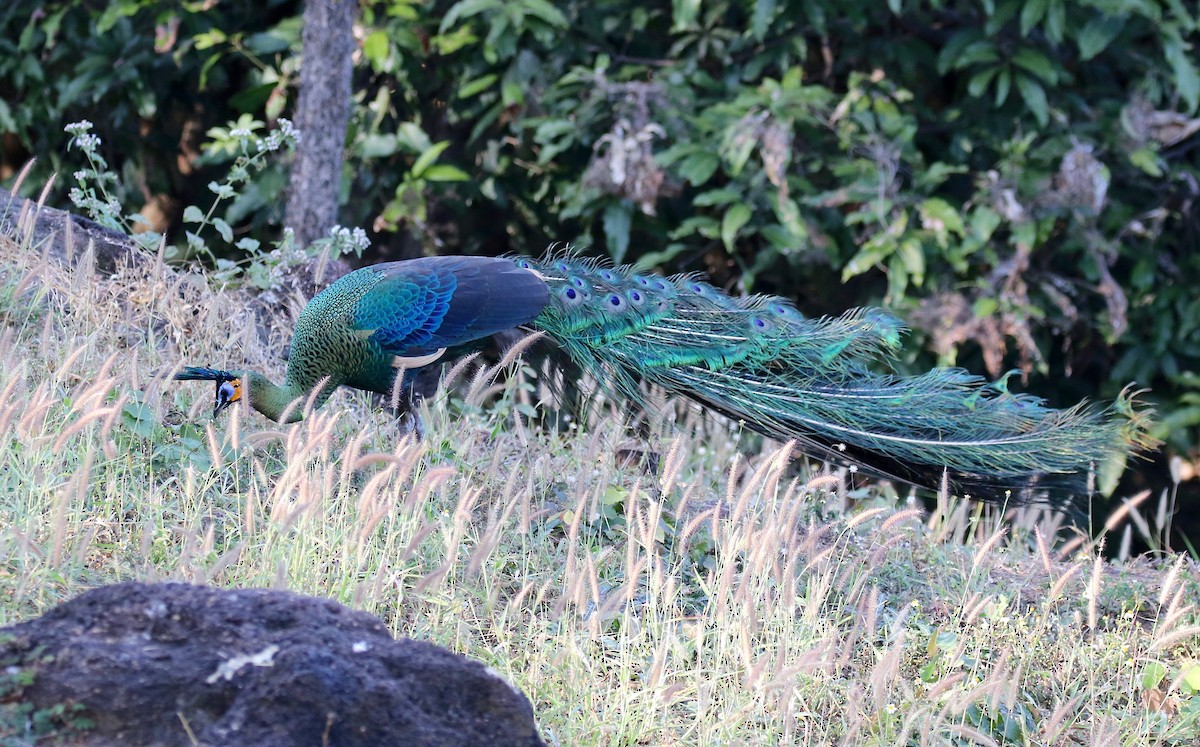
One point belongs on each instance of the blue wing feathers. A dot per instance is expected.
(419, 306)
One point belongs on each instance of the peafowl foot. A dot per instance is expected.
(411, 423)
(408, 413)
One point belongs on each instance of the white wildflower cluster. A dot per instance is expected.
(286, 134)
(289, 130)
(92, 204)
(276, 274)
(240, 132)
(82, 136)
(289, 256)
(346, 240)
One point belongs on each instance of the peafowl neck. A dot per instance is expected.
(286, 402)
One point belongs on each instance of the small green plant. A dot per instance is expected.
(250, 149)
(20, 722)
(92, 193)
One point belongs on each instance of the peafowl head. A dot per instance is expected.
(228, 385)
(228, 392)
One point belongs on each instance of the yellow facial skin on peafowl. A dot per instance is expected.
(228, 392)
(754, 359)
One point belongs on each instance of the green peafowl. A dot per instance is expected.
(754, 359)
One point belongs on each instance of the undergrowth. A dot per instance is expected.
(685, 587)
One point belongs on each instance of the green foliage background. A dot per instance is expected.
(1017, 178)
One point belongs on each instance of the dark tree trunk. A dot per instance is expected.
(322, 114)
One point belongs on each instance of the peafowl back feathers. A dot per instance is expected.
(755, 359)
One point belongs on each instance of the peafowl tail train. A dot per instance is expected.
(760, 362)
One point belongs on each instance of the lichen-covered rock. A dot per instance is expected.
(174, 664)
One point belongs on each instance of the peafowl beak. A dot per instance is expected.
(228, 392)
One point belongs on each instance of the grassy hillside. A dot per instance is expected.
(725, 595)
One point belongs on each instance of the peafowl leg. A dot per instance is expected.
(409, 390)
(411, 423)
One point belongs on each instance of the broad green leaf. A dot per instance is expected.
(897, 277)
(1024, 234)
(1191, 677)
(204, 69)
(375, 48)
(139, 418)
(466, 9)
(760, 22)
(984, 307)
(1056, 21)
(912, 256)
(411, 136)
(545, 11)
(939, 216)
(699, 168)
(441, 172)
(205, 40)
(980, 51)
(984, 222)
(735, 217)
(788, 213)
(7, 124)
(451, 42)
(1037, 63)
(1187, 78)
(1097, 34)
(1147, 160)
(115, 12)
(512, 93)
(1035, 98)
(428, 157)
(780, 238)
(618, 221)
(717, 197)
(738, 151)
(864, 260)
(948, 57)
(699, 225)
(683, 14)
(477, 86)
(193, 214)
(1004, 12)
(1003, 85)
(266, 43)
(223, 229)
(876, 249)
(1152, 674)
(378, 145)
(935, 174)
(1032, 14)
(979, 81)
(252, 99)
